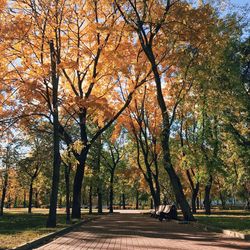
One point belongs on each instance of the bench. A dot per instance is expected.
(169, 213)
(155, 213)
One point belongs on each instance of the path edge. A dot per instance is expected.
(227, 232)
(51, 236)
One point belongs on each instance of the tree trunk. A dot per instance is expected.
(151, 204)
(120, 201)
(137, 200)
(156, 181)
(67, 176)
(155, 195)
(51, 222)
(107, 200)
(198, 202)
(77, 186)
(90, 199)
(223, 202)
(3, 195)
(15, 202)
(157, 198)
(195, 192)
(111, 198)
(9, 202)
(24, 199)
(111, 192)
(60, 201)
(30, 196)
(3, 199)
(123, 201)
(207, 201)
(177, 187)
(174, 179)
(99, 181)
(193, 203)
(36, 199)
(149, 176)
(99, 196)
(5, 184)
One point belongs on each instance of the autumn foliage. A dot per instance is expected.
(83, 71)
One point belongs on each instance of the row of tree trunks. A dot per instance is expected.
(149, 176)
(190, 172)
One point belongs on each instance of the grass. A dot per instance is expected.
(236, 220)
(18, 227)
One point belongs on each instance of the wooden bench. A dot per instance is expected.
(156, 213)
(169, 213)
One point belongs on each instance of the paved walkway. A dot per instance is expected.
(136, 231)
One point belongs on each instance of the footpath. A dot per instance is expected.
(138, 231)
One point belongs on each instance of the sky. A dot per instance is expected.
(241, 2)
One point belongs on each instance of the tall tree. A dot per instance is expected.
(155, 23)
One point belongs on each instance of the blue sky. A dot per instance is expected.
(241, 2)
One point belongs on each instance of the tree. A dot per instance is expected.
(189, 141)
(32, 164)
(51, 222)
(87, 80)
(9, 155)
(111, 158)
(156, 23)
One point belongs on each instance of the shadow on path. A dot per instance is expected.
(136, 231)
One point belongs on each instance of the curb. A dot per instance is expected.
(51, 236)
(227, 232)
(235, 234)
(231, 233)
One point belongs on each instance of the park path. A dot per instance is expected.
(137, 231)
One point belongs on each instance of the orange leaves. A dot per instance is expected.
(68, 64)
(99, 57)
(98, 107)
(91, 101)
(2, 5)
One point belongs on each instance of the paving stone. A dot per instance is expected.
(141, 232)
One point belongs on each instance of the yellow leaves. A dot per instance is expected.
(91, 101)
(101, 28)
(78, 146)
(2, 5)
(117, 131)
(100, 119)
(98, 107)
(68, 64)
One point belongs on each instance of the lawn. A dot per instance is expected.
(18, 227)
(237, 220)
